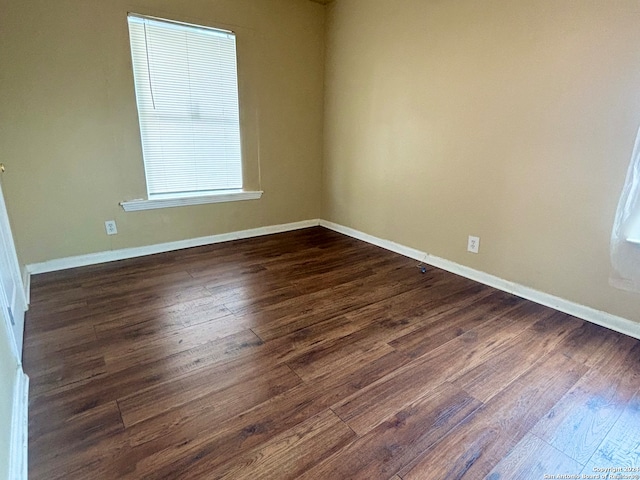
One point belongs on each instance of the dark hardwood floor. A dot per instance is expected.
(310, 355)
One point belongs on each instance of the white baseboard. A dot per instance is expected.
(125, 253)
(613, 322)
(19, 428)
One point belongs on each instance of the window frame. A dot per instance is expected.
(198, 197)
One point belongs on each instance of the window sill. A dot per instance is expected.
(634, 240)
(174, 201)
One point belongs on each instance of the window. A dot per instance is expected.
(625, 237)
(187, 95)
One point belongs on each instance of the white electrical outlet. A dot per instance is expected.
(474, 244)
(110, 226)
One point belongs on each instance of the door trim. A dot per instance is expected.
(18, 450)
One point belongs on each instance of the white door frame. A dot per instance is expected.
(17, 304)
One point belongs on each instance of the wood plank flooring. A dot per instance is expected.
(311, 355)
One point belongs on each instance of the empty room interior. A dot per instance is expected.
(305, 239)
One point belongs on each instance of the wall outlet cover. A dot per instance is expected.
(473, 245)
(110, 227)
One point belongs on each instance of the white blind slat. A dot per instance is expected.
(187, 95)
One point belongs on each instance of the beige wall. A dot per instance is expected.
(69, 133)
(513, 121)
(509, 120)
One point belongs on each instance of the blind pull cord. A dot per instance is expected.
(146, 47)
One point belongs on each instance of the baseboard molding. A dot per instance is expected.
(19, 428)
(613, 322)
(123, 254)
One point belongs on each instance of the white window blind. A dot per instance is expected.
(187, 94)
